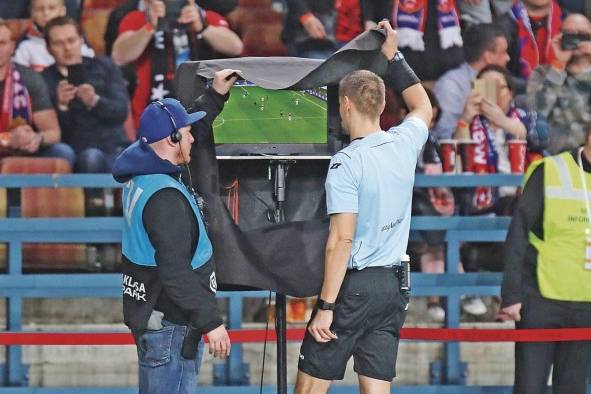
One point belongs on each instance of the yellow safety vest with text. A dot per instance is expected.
(561, 269)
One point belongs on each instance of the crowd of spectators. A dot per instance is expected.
(536, 52)
(60, 100)
(523, 47)
(32, 50)
(28, 122)
(207, 35)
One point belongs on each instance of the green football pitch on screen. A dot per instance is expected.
(254, 115)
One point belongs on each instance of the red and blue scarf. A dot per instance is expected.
(486, 157)
(410, 19)
(16, 102)
(529, 51)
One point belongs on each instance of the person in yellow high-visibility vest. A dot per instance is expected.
(547, 276)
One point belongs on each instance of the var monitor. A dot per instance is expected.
(276, 122)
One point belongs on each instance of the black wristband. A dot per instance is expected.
(324, 305)
(400, 76)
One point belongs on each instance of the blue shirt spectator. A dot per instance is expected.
(483, 45)
(451, 90)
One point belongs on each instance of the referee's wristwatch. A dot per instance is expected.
(398, 56)
(324, 305)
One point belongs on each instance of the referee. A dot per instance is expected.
(369, 186)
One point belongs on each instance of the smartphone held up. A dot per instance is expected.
(571, 41)
(76, 74)
(173, 12)
(487, 88)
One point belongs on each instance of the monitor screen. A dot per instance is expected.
(254, 115)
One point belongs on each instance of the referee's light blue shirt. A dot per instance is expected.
(374, 177)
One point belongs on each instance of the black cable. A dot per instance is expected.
(189, 171)
(265, 342)
(190, 186)
(191, 189)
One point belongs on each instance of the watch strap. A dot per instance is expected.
(398, 56)
(324, 305)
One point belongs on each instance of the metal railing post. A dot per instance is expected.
(14, 365)
(452, 365)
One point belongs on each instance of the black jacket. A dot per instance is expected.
(509, 26)
(434, 61)
(520, 257)
(293, 32)
(184, 295)
(102, 126)
(324, 10)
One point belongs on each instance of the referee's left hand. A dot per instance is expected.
(319, 327)
(390, 45)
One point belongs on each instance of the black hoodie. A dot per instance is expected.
(184, 295)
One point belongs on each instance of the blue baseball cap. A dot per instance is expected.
(156, 122)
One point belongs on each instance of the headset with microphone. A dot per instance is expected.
(176, 135)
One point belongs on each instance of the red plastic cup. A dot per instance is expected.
(448, 150)
(517, 150)
(467, 149)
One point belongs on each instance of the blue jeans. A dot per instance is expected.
(94, 161)
(162, 369)
(59, 150)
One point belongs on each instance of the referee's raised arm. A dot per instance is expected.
(403, 79)
(369, 186)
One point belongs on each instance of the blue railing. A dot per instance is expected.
(16, 286)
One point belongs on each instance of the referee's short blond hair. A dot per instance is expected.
(366, 90)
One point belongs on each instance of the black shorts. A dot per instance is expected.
(369, 313)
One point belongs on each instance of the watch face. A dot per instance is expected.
(397, 57)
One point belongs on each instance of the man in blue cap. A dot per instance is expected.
(169, 281)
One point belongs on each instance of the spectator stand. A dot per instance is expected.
(94, 15)
(259, 26)
(14, 285)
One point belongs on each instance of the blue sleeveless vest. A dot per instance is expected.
(135, 244)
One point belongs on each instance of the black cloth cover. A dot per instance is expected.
(288, 257)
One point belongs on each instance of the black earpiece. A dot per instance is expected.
(176, 135)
